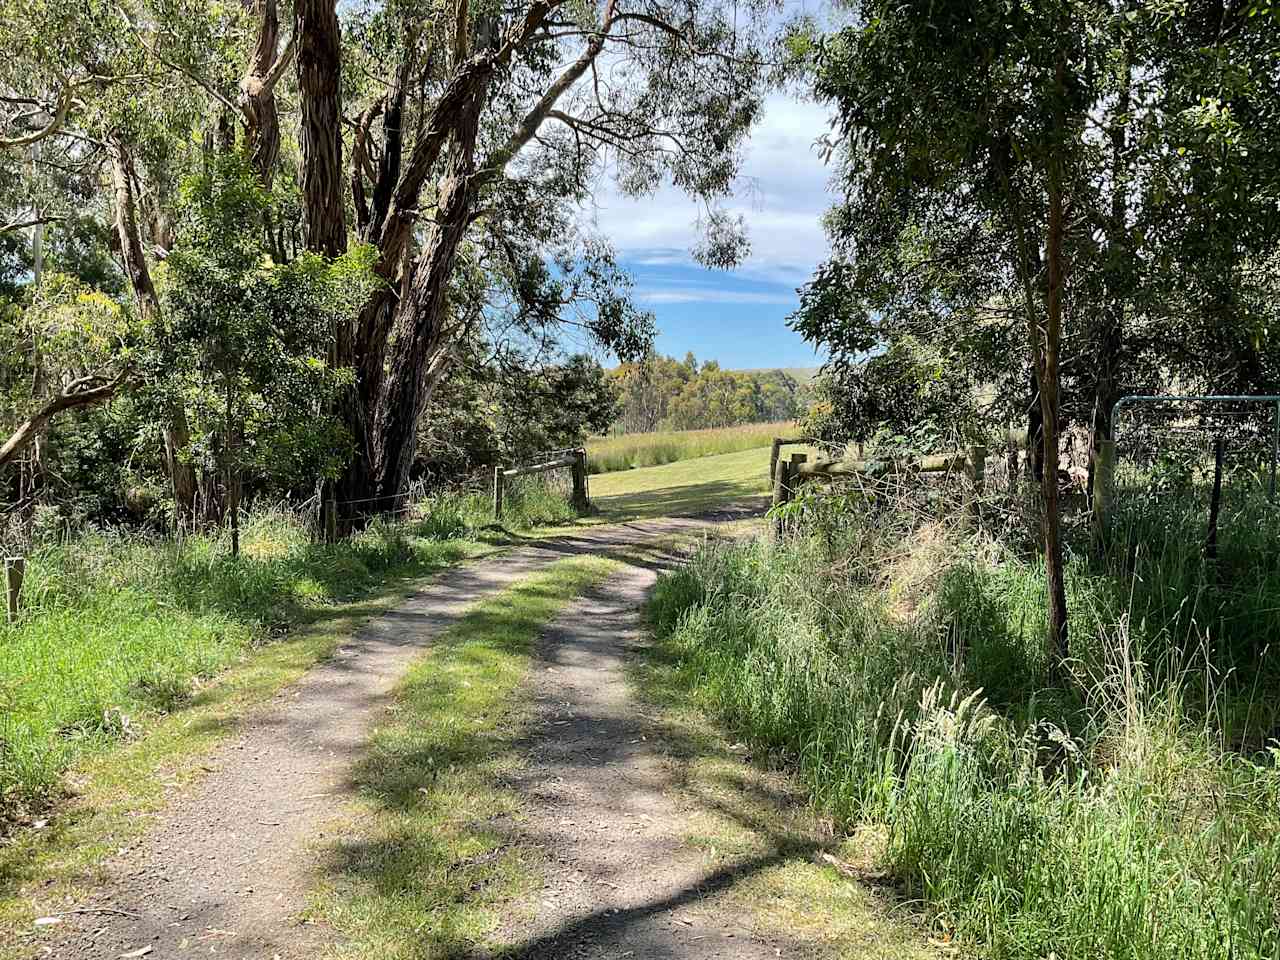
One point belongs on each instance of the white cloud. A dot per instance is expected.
(711, 295)
(782, 194)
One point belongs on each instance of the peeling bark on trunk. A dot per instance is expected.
(177, 434)
(419, 328)
(257, 94)
(319, 79)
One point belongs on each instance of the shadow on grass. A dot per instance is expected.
(439, 847)
(681, 500)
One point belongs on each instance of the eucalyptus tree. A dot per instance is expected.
(1070, 169)
(492, 120)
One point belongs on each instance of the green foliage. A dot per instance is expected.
(505, 413)
(240, 329)
(1157, 123)
(898, 665)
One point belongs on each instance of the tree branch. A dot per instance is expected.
(82, 392)
(55, 123)
(498, 161)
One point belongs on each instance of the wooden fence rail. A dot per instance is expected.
(787, 476)
(577, 461)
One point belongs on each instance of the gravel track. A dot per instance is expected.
(224, 871)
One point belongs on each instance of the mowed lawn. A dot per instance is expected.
(683, 488)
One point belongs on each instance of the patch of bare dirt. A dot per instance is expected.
(623, 881)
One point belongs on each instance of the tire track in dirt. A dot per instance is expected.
(623, 882)
(225, 870)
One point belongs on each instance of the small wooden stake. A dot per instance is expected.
(498, 480)
(1211, 546)
(580, 481)
(15, 569)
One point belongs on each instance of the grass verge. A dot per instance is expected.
(422, 863)
(117, 784)
(120, 629)
(898, 671)
(632, 450)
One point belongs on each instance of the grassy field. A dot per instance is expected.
(629, 451)
(683, 488)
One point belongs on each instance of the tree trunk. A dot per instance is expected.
(257, 93)
(420, 330)
(319, 40)
(1106, 390)
(1048, 370)
(177, 434)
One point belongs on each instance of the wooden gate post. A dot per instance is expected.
(15, 569)
(978, 474)
(498, 481)
(331, 521)
(580, 481)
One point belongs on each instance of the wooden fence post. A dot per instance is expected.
(331, 521)
(498, 481)
(781, 491)
(773, 457)
(978, 474)
(14, 570)
(1104, 468)
(580, 481)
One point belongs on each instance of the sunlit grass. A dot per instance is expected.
(631, 450)
(119, 629)
(1131, 812)
(685, 488)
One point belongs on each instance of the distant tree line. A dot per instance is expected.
(662, 393)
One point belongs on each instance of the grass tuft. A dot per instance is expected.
(1132, 812)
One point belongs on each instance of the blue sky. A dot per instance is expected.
(737, 317)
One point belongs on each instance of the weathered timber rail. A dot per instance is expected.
(576, 460)
(789, 474)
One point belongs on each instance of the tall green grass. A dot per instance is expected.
(630, 450)
(898, 666)
(119, 626)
